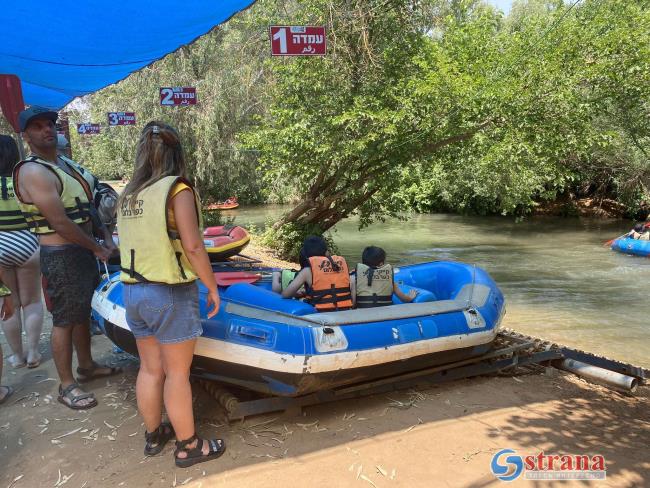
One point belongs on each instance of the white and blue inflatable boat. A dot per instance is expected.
(264, 343)
(636, 247)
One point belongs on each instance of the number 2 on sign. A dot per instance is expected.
(168, 95)
(281, 35)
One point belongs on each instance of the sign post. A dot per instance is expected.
(295, 40)
(88, 128)
(177, 96)
(121, 118)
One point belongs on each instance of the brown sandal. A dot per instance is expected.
(89, 374)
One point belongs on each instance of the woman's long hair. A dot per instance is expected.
(9, 155)
(159, 154)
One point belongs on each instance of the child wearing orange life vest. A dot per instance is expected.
(374, 281)
(326, 278)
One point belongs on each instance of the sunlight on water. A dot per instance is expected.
(560, 282)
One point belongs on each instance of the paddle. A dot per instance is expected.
(227, 278)
(609, 243)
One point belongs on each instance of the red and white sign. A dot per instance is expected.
(121, 118)
(88, 128)
(295, 40)
(178, 95)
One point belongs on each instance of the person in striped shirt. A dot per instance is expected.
(19, 267)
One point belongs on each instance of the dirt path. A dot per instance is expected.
(442, 436)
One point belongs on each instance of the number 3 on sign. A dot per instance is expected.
(281, 35)
(112, 119)
(168, 96)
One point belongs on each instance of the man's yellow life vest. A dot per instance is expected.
(85, 174)
(11, 218)
(75, 195)
(150, 252)
(374, 286)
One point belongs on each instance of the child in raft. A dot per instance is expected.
(325, 278)
(639, 232)
(375, 282)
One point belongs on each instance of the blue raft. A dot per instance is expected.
(627, 245)
(261, 342)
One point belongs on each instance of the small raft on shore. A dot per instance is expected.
(635, 247)
(224, 241)
(264, 343)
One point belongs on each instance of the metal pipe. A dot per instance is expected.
(612, 379)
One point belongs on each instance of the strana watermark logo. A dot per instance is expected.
(507, 465)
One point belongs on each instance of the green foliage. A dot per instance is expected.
(436, 105)
(227, 68)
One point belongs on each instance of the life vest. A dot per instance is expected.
(90, 178)
(330, 287)
(11, 218)
(75, 195)
(287, 276)
(374, 286)
(151, 252)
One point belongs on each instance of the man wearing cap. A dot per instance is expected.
(56, 202)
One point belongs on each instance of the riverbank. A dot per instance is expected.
(431, 436)
(440, 436)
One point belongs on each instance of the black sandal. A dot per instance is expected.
(195, 454)
(156, 440)
(74, 399)
(89, 374)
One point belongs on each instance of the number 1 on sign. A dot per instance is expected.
(281, 35)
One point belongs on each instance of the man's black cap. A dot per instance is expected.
(34, 112)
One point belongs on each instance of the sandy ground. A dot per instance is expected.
(436, 436)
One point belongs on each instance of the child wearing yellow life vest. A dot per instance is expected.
(374, 281)
(325, 278)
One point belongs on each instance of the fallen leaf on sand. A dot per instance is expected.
(393, 474)
(365, 478)
(359, 469)
(381, 470)
(517, 379)
(305, 426)
(17, 478)
(109, 425)
(186, 481)
(74, 431)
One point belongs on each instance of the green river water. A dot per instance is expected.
(559, 281)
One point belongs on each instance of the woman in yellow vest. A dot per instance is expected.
(19, 266)
(162, 256)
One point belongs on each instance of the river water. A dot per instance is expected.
(560, 282)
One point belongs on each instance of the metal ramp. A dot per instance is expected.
(510, 350)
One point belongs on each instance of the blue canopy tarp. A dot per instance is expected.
(65, 49)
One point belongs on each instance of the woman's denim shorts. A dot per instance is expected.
(168, 313)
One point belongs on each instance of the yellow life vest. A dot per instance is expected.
(374, 286)
(150, 252)
(87, 175)
(287, 276)
(11, 218)
(75, 196)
